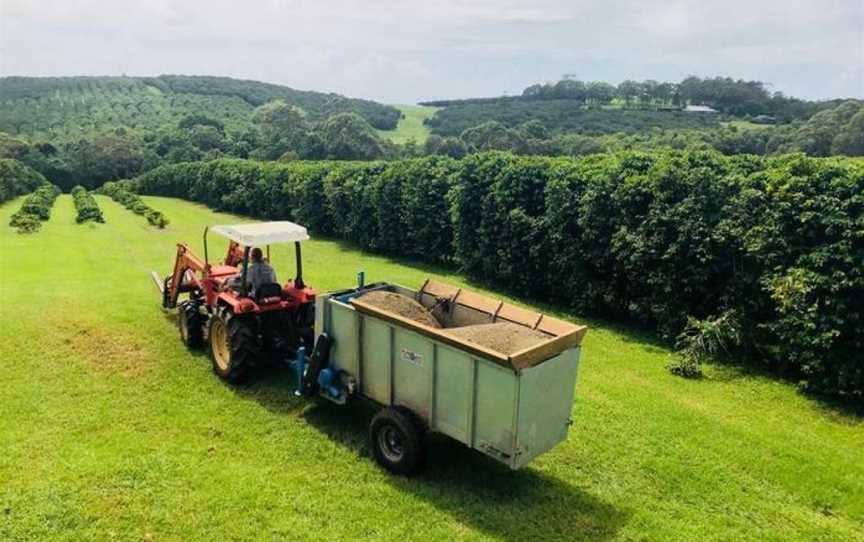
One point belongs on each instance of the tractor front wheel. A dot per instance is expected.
(233, 346)
(191, 324)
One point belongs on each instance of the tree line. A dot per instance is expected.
(767, 250)
(732, 96)
(834, 131)
(282, 132)
(277, 131)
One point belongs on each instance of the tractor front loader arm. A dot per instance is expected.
(184, 278)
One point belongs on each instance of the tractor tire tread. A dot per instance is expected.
(244, 349)
(190, 311)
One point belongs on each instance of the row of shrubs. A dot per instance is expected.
(764, 255)
(85, 204)
(17, 179)
(120, 193)
(35, 209)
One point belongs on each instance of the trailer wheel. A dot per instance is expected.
(233, 346)
(397, 440)
(191, 324)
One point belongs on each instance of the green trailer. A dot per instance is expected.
(511, 407)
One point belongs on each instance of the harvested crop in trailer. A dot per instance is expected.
(403, 306)
(504, 337)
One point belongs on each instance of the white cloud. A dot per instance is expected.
(407, 50)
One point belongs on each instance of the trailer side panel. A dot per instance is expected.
(545, 405)
(453, 379)
(376, 359)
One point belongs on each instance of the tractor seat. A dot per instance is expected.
(269, 292)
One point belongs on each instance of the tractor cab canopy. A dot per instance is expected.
(264, 233)
(260, 234)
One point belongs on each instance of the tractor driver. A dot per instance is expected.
(260, 272)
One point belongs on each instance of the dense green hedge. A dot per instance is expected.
(119, 193)
(17, 179)
(776, 243)
(86, 206)
(35, 209)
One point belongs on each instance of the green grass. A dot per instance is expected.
(411, 125)
(746, 125)
(110, 429)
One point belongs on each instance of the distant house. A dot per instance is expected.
(700, 109)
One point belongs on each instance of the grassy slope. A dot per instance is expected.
(111, 429)
(747, 125)
(411, 125)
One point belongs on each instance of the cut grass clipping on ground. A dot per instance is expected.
(111, 429)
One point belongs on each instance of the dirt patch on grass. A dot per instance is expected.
(504, 337)
(402, 305)
(105, 350)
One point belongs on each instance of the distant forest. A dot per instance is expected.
(572, 117)
(726, 95)
(88, 130)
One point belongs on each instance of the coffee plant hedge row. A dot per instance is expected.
(17, 179)
(86, 206)
(35, 209)
(119, 192)
(773, 244)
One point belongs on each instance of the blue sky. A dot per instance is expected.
(405, 51)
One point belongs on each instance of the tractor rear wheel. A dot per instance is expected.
(191, 324)
(233, 346)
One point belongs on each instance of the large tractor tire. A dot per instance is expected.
(397, 440)
(191, 324)
(233, 346)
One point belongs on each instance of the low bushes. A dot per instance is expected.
(86, 205)
(35, 209)
(666, 239)
(119, 193)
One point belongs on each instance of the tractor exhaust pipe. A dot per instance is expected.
(298, 281)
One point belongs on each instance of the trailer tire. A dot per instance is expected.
(397, 440)
(191, 324)
(233, 346)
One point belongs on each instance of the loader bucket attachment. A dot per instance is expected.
(162, 286)
(157, 281)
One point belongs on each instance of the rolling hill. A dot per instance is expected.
(64, 108)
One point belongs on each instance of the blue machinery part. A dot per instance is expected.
(298, 365)
(329, 382)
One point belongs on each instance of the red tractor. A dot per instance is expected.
(241, 325)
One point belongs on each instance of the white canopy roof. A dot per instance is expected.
(263, 233)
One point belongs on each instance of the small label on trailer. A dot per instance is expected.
(412, 357)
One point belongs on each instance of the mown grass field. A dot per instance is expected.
(111, 430)
(411, 125)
